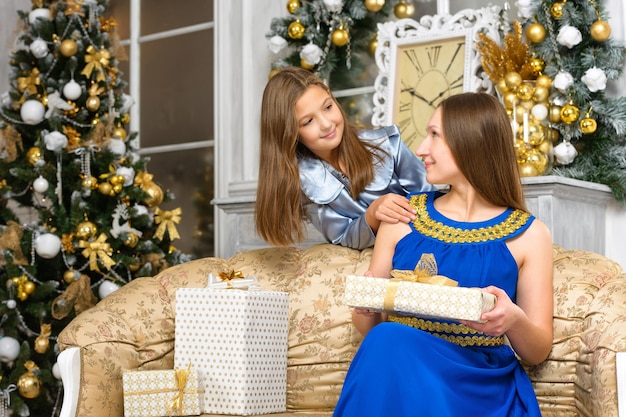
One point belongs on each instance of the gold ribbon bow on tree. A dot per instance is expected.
(11, 140)
(96, 60)
(181, 382)
(425, 272)
(142, 178)
(29, 83)
(77, 295)
(97, 250)
(10, 239)
(166, 221)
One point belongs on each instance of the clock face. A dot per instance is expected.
(426, 73)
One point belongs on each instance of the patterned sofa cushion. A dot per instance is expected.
(579, 374)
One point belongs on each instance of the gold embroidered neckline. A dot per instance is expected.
(425, 225)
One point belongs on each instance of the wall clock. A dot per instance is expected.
(421, 63)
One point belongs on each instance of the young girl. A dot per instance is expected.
(314, 165)
(480, 235)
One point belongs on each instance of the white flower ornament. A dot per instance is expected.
(569, 36)
(594, 79)
(311, 54)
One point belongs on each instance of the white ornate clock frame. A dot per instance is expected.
(491, 20)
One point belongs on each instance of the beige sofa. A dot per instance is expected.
(133, 328)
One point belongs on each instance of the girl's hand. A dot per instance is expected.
(390, 208)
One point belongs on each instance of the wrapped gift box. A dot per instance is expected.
(417, 298)
(237, 339)
(159, 393)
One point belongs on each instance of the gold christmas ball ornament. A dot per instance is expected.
(70, 276)
(155, 194)
(513, 80)
(68, 48)
(403, 10)
(119, 133)
(92, 103)
(296, 29)
(41, 345)
(33, 155)
(293, 5)
(372, 45)
(544, 81)
(501, 87)
(536, 32)
(541, 94)
(537, 65)
(306, 65)
(105, 188)
(600, 30)
(131, 240)
(538, 159)
(340, 36)
(85, 230)
(525, 91)
(569, 113)
(528, 169)
(509, 100)
(556, 10)
(588, 125)
(535, 133)
(374, 5)
(28, 384)
(90, 182)
(554, 114)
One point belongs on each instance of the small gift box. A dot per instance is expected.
(238, 340)
(419, 293)
(162, 393)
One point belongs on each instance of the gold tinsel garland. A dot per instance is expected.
(513, 57)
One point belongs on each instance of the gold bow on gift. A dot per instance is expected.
(232, 280)
(181, 381)
(166, 220)
(97, 250)
(96, 60)
(425, 272)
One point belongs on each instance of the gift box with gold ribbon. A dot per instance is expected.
(236, 335)
(172, 392)
(419, 293)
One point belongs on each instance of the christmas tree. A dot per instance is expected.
(571, 39)
(79, 210)
(334, 38)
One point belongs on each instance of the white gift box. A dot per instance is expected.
(417, 298)
(159, 393)
(237, 339)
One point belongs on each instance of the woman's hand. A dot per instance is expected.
(499, 320)
(390, 208)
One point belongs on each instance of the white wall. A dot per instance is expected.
(8, 25)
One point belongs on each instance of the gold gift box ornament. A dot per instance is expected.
(420, 293)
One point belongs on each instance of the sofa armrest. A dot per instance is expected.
(69, 368)
(132, 328)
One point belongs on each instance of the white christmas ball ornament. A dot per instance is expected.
(32, 112)
(9, 349)
(48, 245)
(72, 90)
(40, 185)
(39, 48)
(40, 12)
(117, 146)
(55, 371)
(106, 288)
(11, 304)
(539, 112)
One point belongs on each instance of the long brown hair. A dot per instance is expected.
(279, 215)
(478, 132)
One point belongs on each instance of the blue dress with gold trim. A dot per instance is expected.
(427, 367)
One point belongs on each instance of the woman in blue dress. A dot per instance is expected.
(480, 235)
(316, 166)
